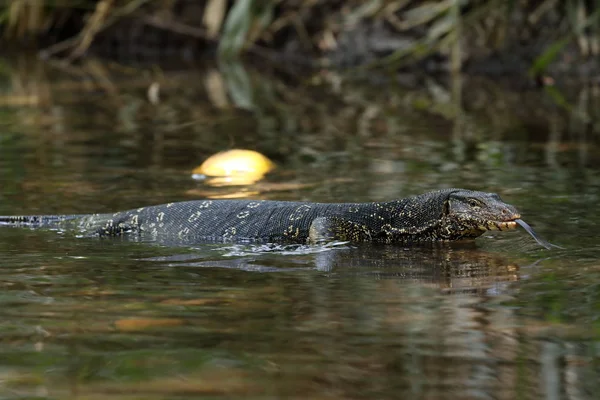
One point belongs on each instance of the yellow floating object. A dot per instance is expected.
(233, 167)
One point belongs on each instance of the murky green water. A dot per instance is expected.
(93, 318)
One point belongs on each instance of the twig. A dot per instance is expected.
(71, 42)
(176, 27)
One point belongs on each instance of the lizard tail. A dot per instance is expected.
(34, 221)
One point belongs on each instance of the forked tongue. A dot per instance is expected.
(541, 241)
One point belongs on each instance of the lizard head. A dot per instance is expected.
(469, 214)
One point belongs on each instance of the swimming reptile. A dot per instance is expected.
(443, 215)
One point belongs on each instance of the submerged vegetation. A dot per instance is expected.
(441, 35)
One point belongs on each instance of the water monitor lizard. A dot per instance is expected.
(443, 215)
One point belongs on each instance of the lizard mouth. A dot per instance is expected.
(501, 226)
(508, 223)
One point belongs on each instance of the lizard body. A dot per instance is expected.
(443, 215)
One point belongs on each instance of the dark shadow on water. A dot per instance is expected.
(452, 267)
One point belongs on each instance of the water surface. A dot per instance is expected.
(497, 318)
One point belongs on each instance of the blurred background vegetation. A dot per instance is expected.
(527, 37)
(379, 74)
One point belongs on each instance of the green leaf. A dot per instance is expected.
(236, 29)
(542, 61)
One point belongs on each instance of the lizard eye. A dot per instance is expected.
(474, 203)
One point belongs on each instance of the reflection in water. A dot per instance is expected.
(451, 267)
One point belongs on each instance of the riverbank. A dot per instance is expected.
(540, 40)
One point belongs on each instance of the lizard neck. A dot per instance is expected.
(418, 218)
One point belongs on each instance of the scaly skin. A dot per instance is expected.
(443, 215)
